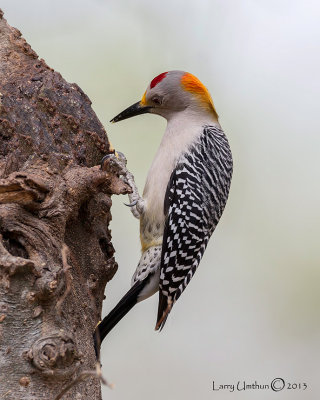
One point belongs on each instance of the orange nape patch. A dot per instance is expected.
(192, 84)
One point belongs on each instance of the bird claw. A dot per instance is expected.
(116, 158)
(117, 161)
(131, 204)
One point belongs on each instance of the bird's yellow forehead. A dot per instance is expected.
(192, 84)
(143, 101)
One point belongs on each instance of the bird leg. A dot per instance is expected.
(119, 161)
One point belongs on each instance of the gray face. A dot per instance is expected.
(168, 96)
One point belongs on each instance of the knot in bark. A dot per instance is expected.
(54, 355)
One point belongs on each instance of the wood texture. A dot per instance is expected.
(56, 254)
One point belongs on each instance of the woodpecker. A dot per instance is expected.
(184, 196)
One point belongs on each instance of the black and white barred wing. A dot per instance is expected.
(194, 201)
(185, 237)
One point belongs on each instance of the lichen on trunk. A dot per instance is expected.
(56, 254)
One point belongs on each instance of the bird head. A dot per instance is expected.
(169, 93)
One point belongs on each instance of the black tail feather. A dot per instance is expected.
(128, 301)
(164, 308)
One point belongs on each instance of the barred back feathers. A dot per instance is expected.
(195, 199)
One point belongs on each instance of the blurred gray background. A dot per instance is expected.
(252, 310)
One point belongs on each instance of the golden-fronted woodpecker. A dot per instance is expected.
(184, 196)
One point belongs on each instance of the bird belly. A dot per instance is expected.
(151, 287)
(153, 219)
(177, 138)
(148, 269)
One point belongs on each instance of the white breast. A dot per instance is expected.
(182, 130)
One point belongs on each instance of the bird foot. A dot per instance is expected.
(131, 204)
(137, 206)
(118, 161)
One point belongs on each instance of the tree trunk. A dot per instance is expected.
(56, 254)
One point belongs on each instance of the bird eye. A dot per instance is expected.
(156, 100)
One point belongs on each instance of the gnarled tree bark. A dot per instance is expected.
(56, 254)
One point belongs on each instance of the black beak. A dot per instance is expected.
(135, 109)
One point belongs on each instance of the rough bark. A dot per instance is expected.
(56, 254)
